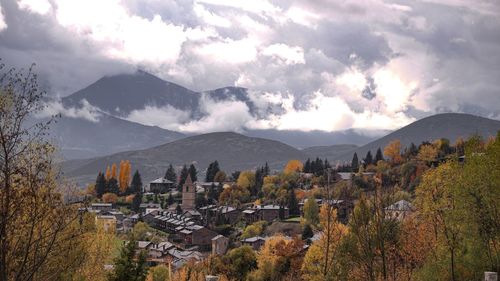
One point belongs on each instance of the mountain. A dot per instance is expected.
(81, 138)
(120, 94)
(301, 139)
(447, 125)
(233, 152)
(328, 152)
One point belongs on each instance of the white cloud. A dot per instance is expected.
(41, 7)
(3, 24)
(289, 55)
(255, 6)
(86, 111)
(229, 51)
(164, 117)
(221, 116)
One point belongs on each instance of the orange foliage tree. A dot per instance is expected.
(293, 166)
(113, 171)
(393, 151)
(124, 178)
(109, 198)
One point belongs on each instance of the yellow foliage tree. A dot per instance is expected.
(246, 179)
(393, 151)
(124, 178)
(108, 173)
(427, 153)
(320, 262)
(293, 166)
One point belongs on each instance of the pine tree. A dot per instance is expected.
(369, 158)
(379, 156)
(178, 210)
(307, 166)
(127, 267)
(267, 171)
(170, 174)
(193, 173)
(112, 186)
(355, 163)
(183, 176)
(136, 188)
(293, 204)
(100, 185)
(170, 199)
(212, 170)
(307, 232)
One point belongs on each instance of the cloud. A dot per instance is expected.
(86, 111)
(3, 24)
(361, 64)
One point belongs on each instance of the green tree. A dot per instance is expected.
(170, 174)
(355, 163)
(307, 232)
(379, 156)
(311, 211)
(136, 188)
(183, 177)
(128, 267)
(369, 158)
(100, 185)
(193, 172)
(240, 262)
(158, 273)
(293, 204)
(212, 170)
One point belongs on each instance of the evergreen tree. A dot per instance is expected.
(100, 185)
(112, 186)
(293, 204)
(267, 171)
(355, 163)
(307, 166)
(170, 174)
(155, 200)
(136, 188)
(183, 177)
(170, 199)
(212, 170)
(178, 210)
(235, 175)
(379, 156)
(307, 232)
(193, 173)
(369, 158)
(127, 267)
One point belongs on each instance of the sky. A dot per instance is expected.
(326, 65)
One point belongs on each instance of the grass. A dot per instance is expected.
(293, 219)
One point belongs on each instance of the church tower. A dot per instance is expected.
(188, 194)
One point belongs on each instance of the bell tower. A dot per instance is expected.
(188, 194)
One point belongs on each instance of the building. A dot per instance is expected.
(399, 210)
(220, 244)
(220, 214)
(161, 185)
(196, 235)
(148, 207)
(267, 213)
(188, 195)
(101, 206)
(255, 242)
(106, 222)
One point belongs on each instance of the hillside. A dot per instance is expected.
(328, 152)
(447, 125)
(232, 150)
(81, 138)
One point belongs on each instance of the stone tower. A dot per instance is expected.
(188, 194)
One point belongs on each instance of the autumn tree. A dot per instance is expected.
(427, 153)
(124, 178)
(393, 151)
(220, 176)
(322, 259)
(240, 261)
(39, 233)
(246, 180)
(109, 197)
(108, 173)
(113, 171)
(293, 166)
(158, 273)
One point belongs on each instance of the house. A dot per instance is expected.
(128, 223)
(196, 235)
(399, 210)
(273, 212)
(220, 214)
(220, 244)
(161, 185)
(344, 208)
(148, 207)
(149, 218)
(255, 242)
(106, 222)
(177, 258)
(251, 215)
(101, 206)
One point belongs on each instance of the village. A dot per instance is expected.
(181, 231)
